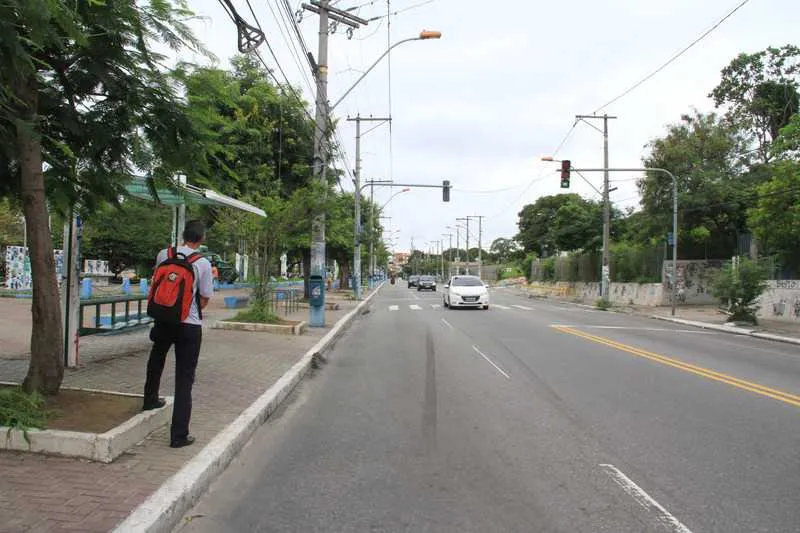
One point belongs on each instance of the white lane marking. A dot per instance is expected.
(446, 323)
(633, 328)
(523, 307)
(644, 499)
(490, 362)
(504, 307)
(435, 306)
(414, 307)
(394, 307)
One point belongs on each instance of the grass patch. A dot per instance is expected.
(258, 315)
(22, 411)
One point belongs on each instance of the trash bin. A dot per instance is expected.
(316, 291)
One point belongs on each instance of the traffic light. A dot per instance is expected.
(565, 168)
(446, 191)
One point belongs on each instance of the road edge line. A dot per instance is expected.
(728, 329)
(163, 509)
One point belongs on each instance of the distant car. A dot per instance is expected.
(465, 291)
(426, 283)
(412, 281)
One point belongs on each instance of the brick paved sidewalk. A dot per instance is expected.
(56, 494)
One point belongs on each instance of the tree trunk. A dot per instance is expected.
(46, 369)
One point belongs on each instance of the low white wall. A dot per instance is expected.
(781, 301)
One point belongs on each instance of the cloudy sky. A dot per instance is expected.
(502, 87)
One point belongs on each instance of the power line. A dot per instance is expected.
(674, 57)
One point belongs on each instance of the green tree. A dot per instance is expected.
(503, 250)
(255, 139)
(775, 218)
(562, 222)
(760, 91)
(703, 152)
(81, 90)
(127, 236)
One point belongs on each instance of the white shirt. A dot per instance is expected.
(203, 282)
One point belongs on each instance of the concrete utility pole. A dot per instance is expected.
(320, 161)
(480, 246)
(357, 217)
(466, 238)
(606, 203)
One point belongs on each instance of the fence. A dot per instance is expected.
(626, 264)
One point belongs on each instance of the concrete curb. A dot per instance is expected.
(162, 511)
(730, 329)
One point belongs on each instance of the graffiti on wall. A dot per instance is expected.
(692, 282)
(18, 268)
(781, 300)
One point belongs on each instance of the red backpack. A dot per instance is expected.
(170, 297)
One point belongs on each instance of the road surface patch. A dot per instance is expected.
(750, 386)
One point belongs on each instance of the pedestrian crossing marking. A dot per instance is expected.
(501, 306)
(523, 307)
(394, 307)
(435, 306)
(414, 307)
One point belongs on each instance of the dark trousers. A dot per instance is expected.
(187, 339)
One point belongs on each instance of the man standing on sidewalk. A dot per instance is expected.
(186, 335)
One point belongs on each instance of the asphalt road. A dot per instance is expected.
(533, 416)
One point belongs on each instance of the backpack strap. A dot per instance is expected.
(192, 259)
(172, 251)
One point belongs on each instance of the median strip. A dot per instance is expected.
(775, 394)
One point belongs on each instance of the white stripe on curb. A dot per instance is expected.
(730, 329)
(162, 511)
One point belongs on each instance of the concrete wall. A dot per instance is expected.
(650, 294)
(694, 281)
(781, 301)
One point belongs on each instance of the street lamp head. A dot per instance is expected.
(406, 189)
(547, 158)
(430, 34)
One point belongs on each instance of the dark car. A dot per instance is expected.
(426, 283)
(412, 281)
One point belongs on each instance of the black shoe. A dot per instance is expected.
(180, 443)
(158, 404)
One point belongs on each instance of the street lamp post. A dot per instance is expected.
(320, 159)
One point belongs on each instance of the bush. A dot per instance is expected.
(739, 286)
(21, 410)
(602, 304)
(510, 272)
(258, 314)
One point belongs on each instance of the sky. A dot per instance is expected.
(501, 89)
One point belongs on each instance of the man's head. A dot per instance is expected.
(195, 232)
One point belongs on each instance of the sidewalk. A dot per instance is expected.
(55, 494)
(705, 316)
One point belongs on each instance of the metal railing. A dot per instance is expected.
(113, 321)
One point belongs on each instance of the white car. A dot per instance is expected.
(465, 291)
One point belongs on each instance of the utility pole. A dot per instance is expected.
(466, 238)
(606, 203)
(320, 161)
(480, 247)
(357, 217)
(441, 256)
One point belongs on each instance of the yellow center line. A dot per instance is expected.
(687, 367)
